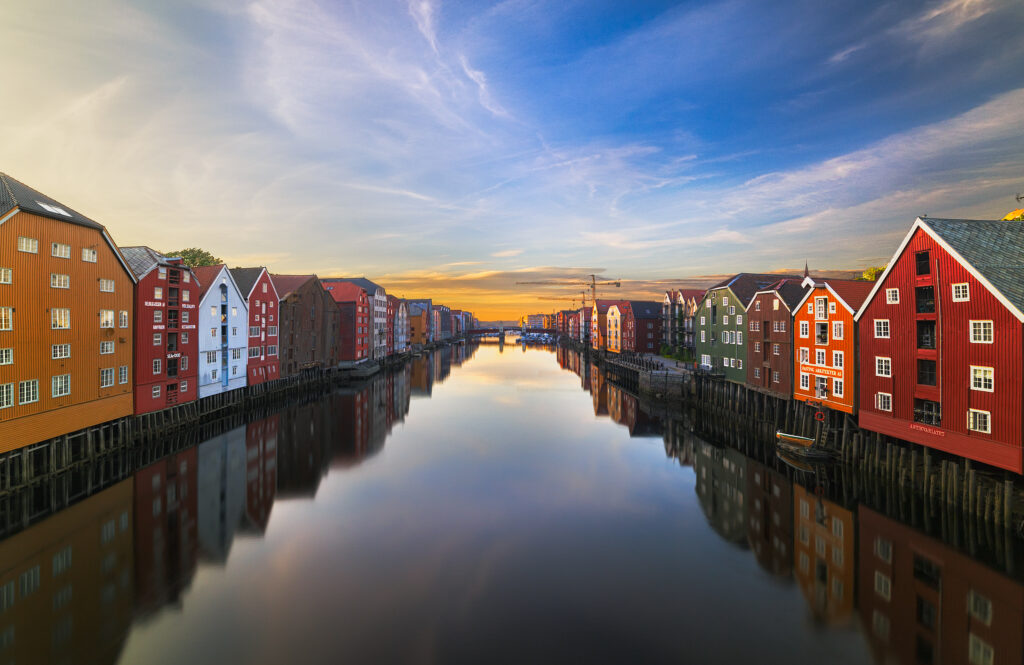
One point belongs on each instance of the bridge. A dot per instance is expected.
(511, 331)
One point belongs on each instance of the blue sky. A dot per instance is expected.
(452, 147)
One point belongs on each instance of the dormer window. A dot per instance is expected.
(57, 210)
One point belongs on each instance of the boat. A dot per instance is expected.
(794, 439)
(809, 453)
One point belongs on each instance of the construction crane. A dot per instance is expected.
(592, 284)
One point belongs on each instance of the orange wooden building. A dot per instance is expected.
(65, 320)
(825, 342)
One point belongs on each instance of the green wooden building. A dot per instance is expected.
(720, 326)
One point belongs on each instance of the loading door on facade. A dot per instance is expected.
(821, 387)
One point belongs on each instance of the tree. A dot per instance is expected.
(871, 274)
(194, 257)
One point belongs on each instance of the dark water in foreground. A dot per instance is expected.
(488, 506)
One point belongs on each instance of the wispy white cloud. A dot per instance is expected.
(506, 253)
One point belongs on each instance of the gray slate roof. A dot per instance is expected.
(645, 309)
(246, 278)
(993, 248)
(791, 292)
(14, 193)
(746, 284)
(142, 259)
(365, 284)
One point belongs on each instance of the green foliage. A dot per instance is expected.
(194, 257)
(871, 274)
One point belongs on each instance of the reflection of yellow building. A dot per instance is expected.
(614, 322)
(66, 584)
(823, 549)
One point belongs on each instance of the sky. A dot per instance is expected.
(450, 149)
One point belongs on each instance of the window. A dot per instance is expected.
(837, 330)
(757, 347)
(156, 392)
(926, 375)
(107, 285)
(254, 331)
(123, 317)
(6, 276)
(184, 362)
(725, 319)
(186, 295)
(928, 412)
(60, 319)
(739, 337)
(757, 373)
(805, 381)
(106, 348)
(739, 320)
(982, 378)
(805, 329)
(161, 273)
(106, 318)
(28, 391)
(6, 318)
(831, 308)
(883, 587)
(981, 332)
(122, 374)
(6, 395)
(213, 374)
(158, 293)
(272, 350)
(979, 652)
(185, 317)
(6, 356)
(925, 334)
(922, 262)
(703, 321)
(272, 331)
(158, 316)
(29, 245)
(881, 328)
(236, 354)
(264, 287)
(62, 561)
(58, 281)
(254, 352)
(775, 377)
(924, 299)
(234, 311)
(821, 332)
(883, 401)
(805, 355)
(158, 339)
(837, 387)
(819, 307)
(60, 386)
(880, 625)
(961, 292)
(883, 549)
(183, 387)
(211, 357)
(234, 370)
(883, 366)
(157, 366)
(819, 357)
(925, 613)
(88, 255)
(29, 581)
(892, 296)
(60, 250)
(979, 607)
(213, 332)
(106, 377)
(979, 421)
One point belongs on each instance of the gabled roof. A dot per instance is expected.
(142, 260)
(645, 309)
(16, 194)
(246, 278)
(343, 291)
(745, 284)
(790, 291)
(603, 305)
(368, 286)
(992, 251)
(206, 276)
(286, 284)
(850, 292)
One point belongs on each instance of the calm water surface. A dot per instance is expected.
(486, 505)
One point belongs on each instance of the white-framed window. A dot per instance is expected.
(89, 255)
(982, 378)
(106, 348)
(184, 362)
(234, 370)
(892, 296)
(158, 339)
(60, 386)
(272, 350)
(254, 331)
(59, 351)
(254, 352)
(60, 250)
(805, 329)
(213, 311)
(819, 357)
(739, 320)
(213, 332)
(264, 287)
(183, 387)
(60, 318)
(28, 245)
(185, 316)
(184, 338)
(757, 306)
(961, 292)
(882, 328)
(757, 347)
(883, 401)
(234, 311)
(775, 349)
(161, 273)
(123, 318)
(6, 318)
(107, 285)
(979, 607)
(883, 586)
(6, 275)
(757, 373)
(981, 332)
(837, 330)
(6, 356)
(883, 366)
(775, 377)
(805, 354)
(186, 277)
(106, 377)
(883, 549)
(819, 308)
(831, 307)
(236, 354)
(158, 316)
(703, 321)
(186, 295)
(6, 395)
(213, 374)
(837, 387)
(158, 366)
(979, 421)
(805, 381)
(28, 391)
(739, 336)
(58, 281)
(122, 374)
(158, 293)
(271, 331)
(725, 319)
(156, 392)
(106, 318)
(837, 359)
(979, 652)
(880, 625)
(211, 357)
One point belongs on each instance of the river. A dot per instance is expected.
(496, 504)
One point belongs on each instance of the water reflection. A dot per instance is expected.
(434, 541)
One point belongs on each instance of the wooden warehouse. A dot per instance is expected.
(65, 320)
(310, 323)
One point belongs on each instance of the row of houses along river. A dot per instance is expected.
(495, 503)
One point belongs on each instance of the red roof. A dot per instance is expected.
(206, 276)
(852, 291)
(285, 284)
(603, 305)
(344, 291)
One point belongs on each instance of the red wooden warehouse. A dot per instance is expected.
(258, 289)
(641, 328)
(166, 345)
(354, 304)
(770, 337)
(941, 341)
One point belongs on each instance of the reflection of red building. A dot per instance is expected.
(921, 601)
(352, 418)
(599, 391)
(823, 549)
(165, 530)
(770, 523)
(261, 470)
